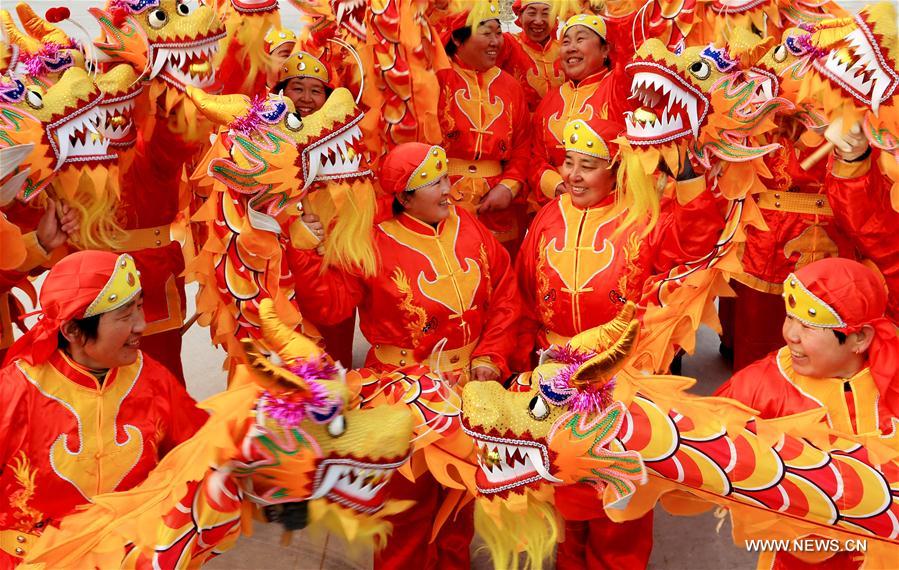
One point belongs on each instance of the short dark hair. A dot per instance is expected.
(459, 37)
(397, 206)
(841, 336)
(87, 326)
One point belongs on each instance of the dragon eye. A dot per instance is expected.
(337, 426)
(185, 9)
(294, 121)
(780, 53)
(157, 19)
(538, 408)
(701, 70)
(34, 99)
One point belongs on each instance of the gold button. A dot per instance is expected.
(819, 203)
(156, 232)
(472, 168)
(97, 455)
(777, 204)
(777, 196)
(402, 362)
(377, 346)
(20, 551)
(158, 242)
(20, 538)
(454, 359)
(402, 353)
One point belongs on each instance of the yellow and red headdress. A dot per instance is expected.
(590, 21)
(411, 166)
(83, 284)
(467, 13)
(594, 137)
(304, 64)
(276, 37)
(844, 295)
(520, 5)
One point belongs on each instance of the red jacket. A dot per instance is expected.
(65, 438)
(451, 282)
(534, 66)
(574, 273)
(484, 119)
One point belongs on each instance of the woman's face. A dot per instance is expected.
(588, 179)
(429, 204)
(816, 351)
(583, 53)
(118, 338)
(480, 51)
(307, 93)
(535, 22)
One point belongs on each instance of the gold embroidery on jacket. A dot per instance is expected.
(485, 270)
(813, 244)
(544, 300)
(629, 277)
(26, 516)
(416, 317)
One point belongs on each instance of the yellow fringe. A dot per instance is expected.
(636, 194)
(536, 532)
(349, 242)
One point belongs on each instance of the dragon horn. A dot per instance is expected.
(289, 344)
(39, 28)
(601, 337)
(26, 43)
(220, 109)
(601, 368)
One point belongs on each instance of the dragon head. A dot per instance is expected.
(556, 431)
(345, 19)
(308, 440)
(697, 99)
(121, 87)
(45, 50)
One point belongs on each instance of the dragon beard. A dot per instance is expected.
(536, 525)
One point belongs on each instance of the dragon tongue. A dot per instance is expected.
(644, 115)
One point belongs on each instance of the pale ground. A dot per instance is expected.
(680, 543)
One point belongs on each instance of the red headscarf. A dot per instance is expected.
(859, 298)
(69, 289)
(401, 163)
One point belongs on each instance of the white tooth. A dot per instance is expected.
(537, 464)
(62, 135)
(341, 8)
(880, 85)
(314, 162)
(159, 61)
(693, 115)
(331, 477)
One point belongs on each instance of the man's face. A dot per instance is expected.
(535, 22)
(118, 337)
(307, 93)
(816, 351)
(282, 52)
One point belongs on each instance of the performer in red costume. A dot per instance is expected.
(842, 354)
(594, 88)
(442, 277)
(586, 253)
(840, 208)
(484, 120)
(82, 410)
(530, 56)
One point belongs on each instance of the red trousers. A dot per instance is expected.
(165, 348)
(339, 340)
(593, 541)
(752, 323)
(410, 546)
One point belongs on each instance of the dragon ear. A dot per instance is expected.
(600, 338)
(286, 342)
(601, 368)
(26, 43)
(220, 109)
(39, 28)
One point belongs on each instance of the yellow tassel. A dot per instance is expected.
(349, 243)
(533, 531)
(636, 194)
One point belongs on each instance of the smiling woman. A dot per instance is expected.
(483, 117)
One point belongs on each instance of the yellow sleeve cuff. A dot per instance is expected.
(842, 169)
(687, 190)
(485, 361)
(549, 180)
(35, 255)
(513, 185)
